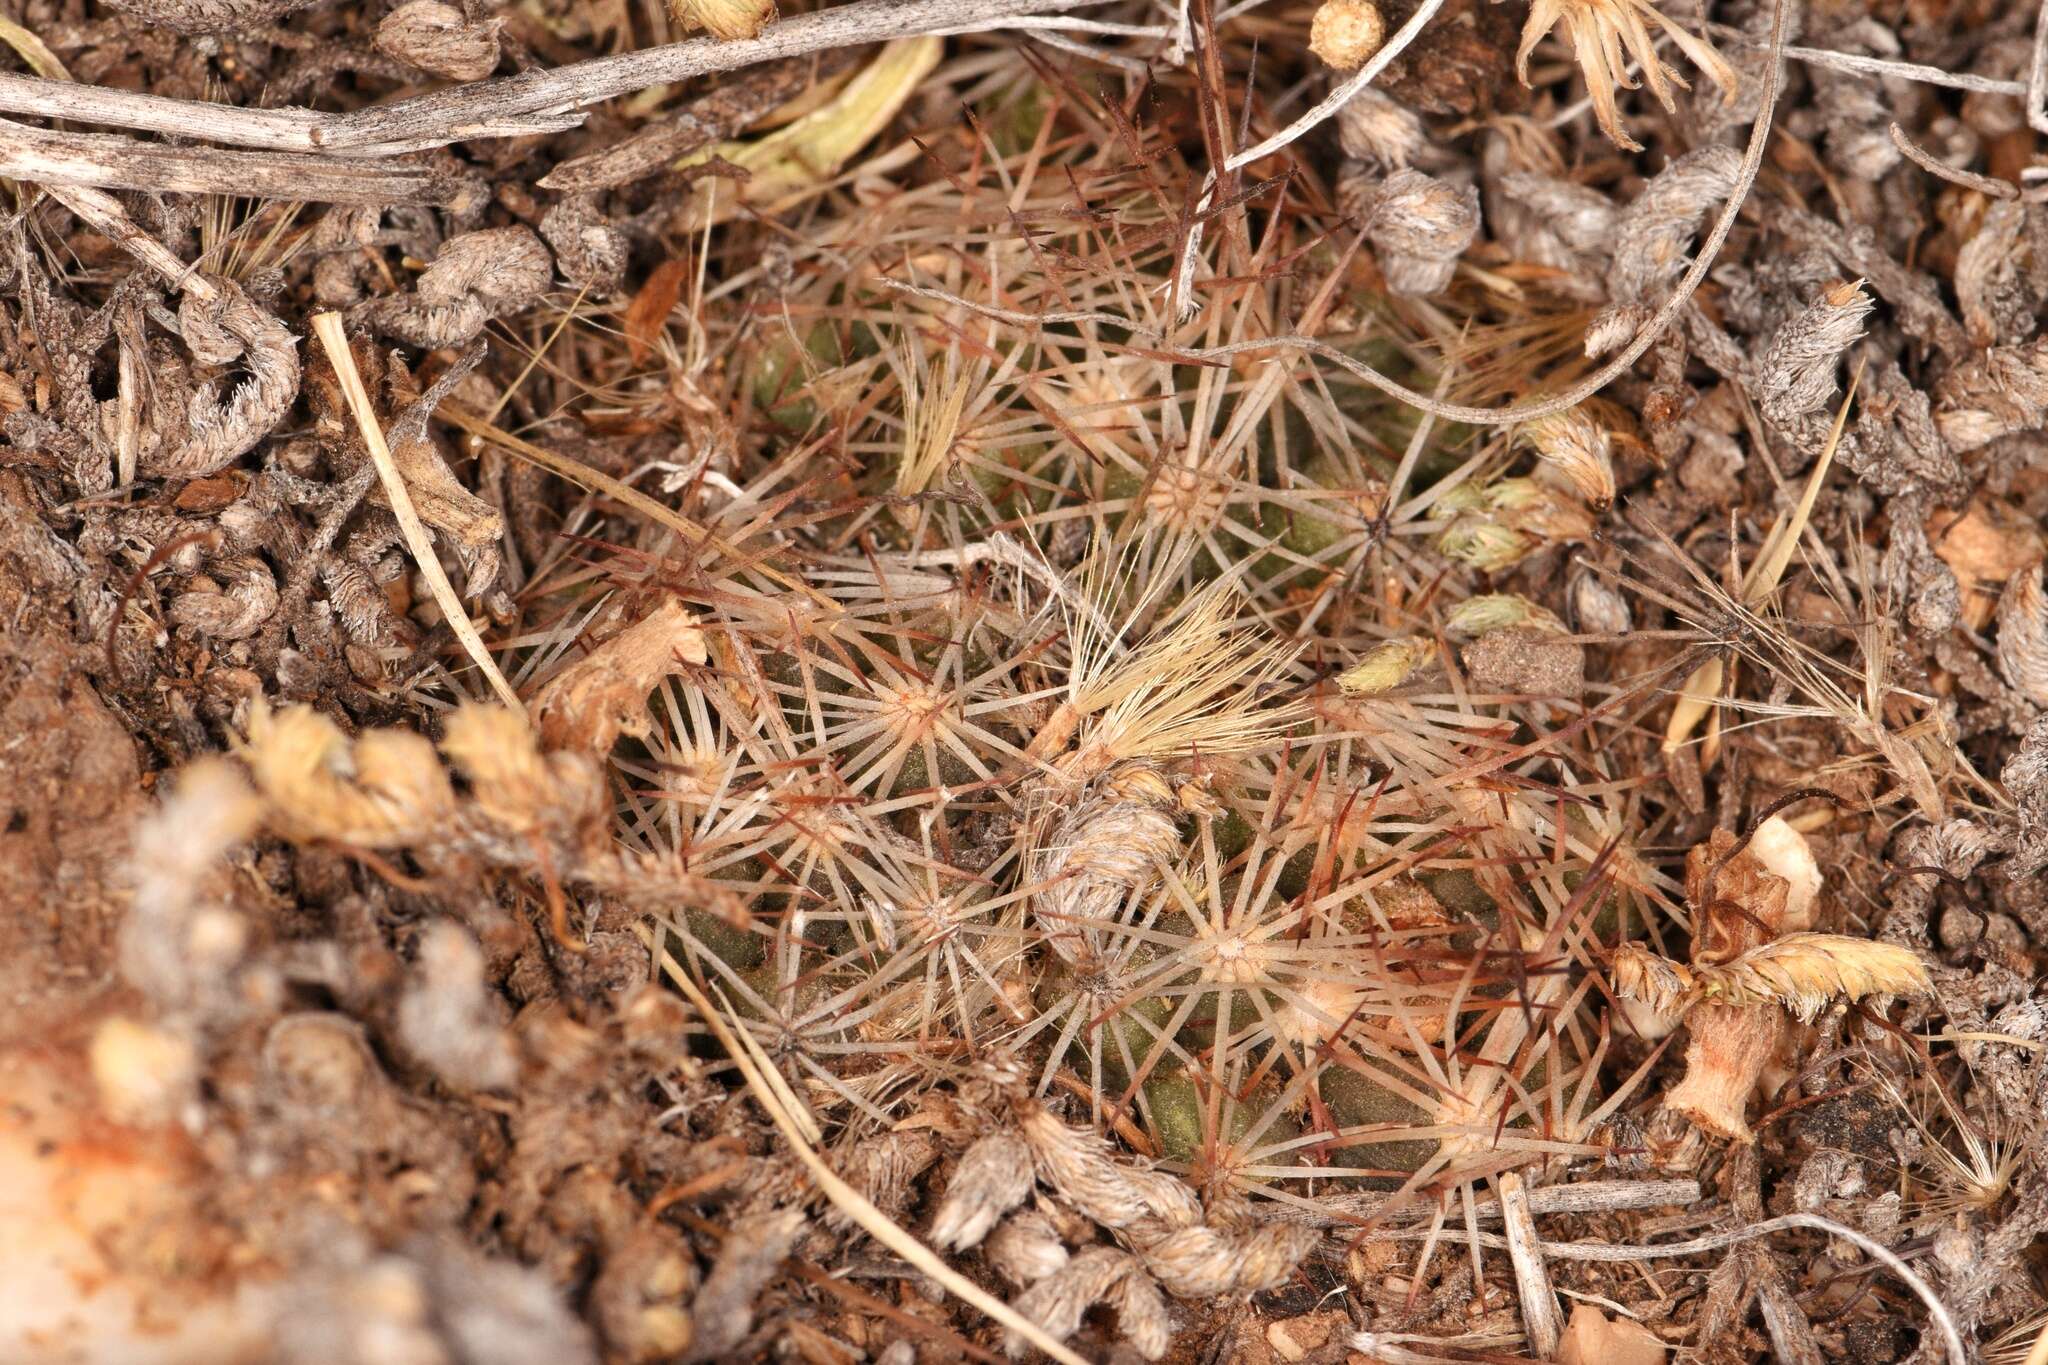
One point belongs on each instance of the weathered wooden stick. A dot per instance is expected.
(108, 161)
(1540, 1318)
(532, 102)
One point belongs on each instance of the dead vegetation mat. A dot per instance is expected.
(927, 681)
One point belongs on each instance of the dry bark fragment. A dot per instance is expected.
(208, 16)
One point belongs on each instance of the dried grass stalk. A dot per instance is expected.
(328, 327)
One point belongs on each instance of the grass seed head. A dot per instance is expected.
(1386, 666)
(1576, 447)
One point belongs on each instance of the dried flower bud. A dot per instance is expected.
(1373, 127)
(1514, 518)
(1486, 546)
(2023, 636)
(1597, 607)
(1801, 973)
(1345, 33)
(1476, 616)
(724, 18)
(1420, 225)
(1796, 375)
(1577, 447)
(1386, 667)
(435, 37)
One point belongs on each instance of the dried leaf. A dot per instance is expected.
(1593, 1338)
(648, 313)
(593, 701)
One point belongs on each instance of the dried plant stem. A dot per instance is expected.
(530, 103)
(1880, 66)
(2036, 91)
(328, 327)
(1595, 1196)
(1341, 94)
(104, 214)
(1532, 1276)
(847, 1199)
(1969, 180)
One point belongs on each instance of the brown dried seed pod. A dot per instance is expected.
(2023, 636)
(2025, 777)
(445, 1016)
(1076, 1164)
(590, 252)
(1141, 1315)
(208, 16)
(1105, 850)
(603, 695)
(1058, 1302)
(1994, 302)
(1206, 1262)
(1345, 33)
(436, 37)
(520, 790)
(1654, 231)
(1575, 446)
(2005, 390)
(238, 610)
(750, 1257)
